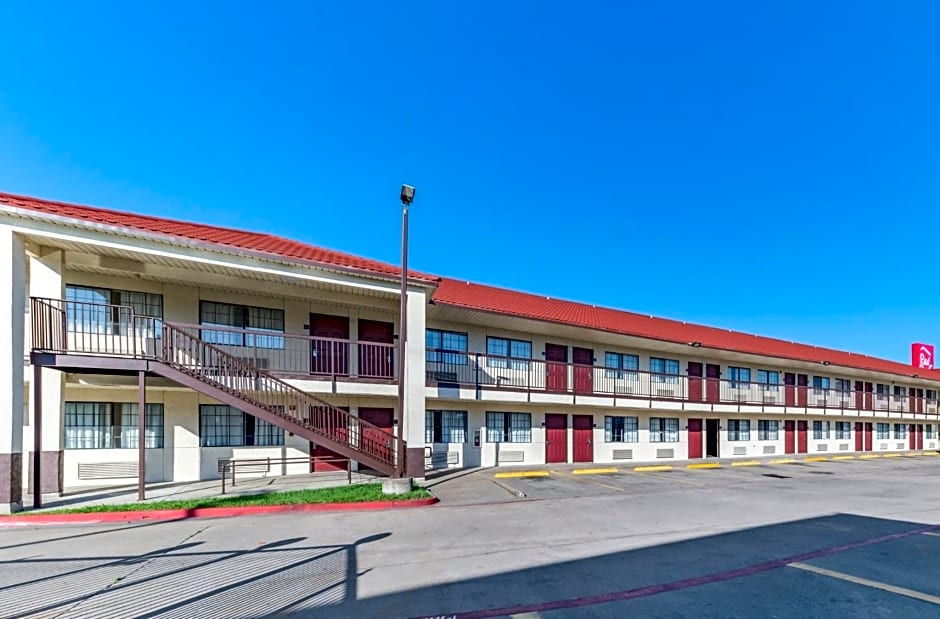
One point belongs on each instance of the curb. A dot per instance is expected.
(205, 512)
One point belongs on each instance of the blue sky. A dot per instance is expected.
(773, 170)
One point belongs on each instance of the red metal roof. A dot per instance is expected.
(523, 305)
(227, 237)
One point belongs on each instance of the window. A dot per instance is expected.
(230, 316)
(739, 430)
(739, 377)
(621, 429)
(446, 347)
(508, 427)
(882, 391)
(843, 430)
(900, 392)
(900, 430)
(931, 395)
(820, 430)
(843, 384)
(445, 426)
(99, 319)
(883, 431)
(820, 383)
(930, 431)
(516, 353)
(105, 425)
(664, 430)
(224, 426)
(664, 370)
(768, 430)
(769, 379)
(617, 362)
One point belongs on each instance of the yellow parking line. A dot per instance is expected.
(912, 454)
(593, 471)
(890, 455)
(517, 474)
(869, 456)
(703, 465)
(784, 461)
(874, 584)
(931, 453)
(816, 459)
(651, 469)
(843, 457)
(747, 463)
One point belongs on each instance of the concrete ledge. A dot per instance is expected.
(396, 485)
(27, 520)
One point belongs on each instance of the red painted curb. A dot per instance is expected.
(207, 512)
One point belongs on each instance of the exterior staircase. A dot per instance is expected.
(71, 334)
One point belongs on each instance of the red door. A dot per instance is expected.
(859, 436)
(920, 400)
(583, 375)
(801, 436)
(789, 389)
(869, 389)
(868, 436)
(695, 436)
(556, 438)
(802, 381)
(912, 436)
(788, 436)
(331, 355)
(556, 367)
(911, 400)
(375, 361)
(373, 439)
(859, 395)
(583, 438)
(333, 461)
(712, 382)
(920, 436)
(695, 387)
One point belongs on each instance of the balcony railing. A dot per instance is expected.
(484, 371)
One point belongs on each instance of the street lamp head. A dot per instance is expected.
(407, 195)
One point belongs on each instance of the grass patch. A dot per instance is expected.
(358, 493)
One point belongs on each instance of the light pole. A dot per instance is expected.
(407, 197)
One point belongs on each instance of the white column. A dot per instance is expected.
(413, 418)
(12, 343)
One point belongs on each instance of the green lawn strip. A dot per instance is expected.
(358, 493)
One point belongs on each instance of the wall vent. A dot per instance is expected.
(843, 447)
(511, 456)
(623, 454)
(822, 447)
(900, 446)
(770, 449)
(107, 470)
(740, 451)
(665, 453)
(882, 445)
(444, 377)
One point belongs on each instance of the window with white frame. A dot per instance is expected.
(739, 377)
(664, 370)
(449, 347)
(621, 429)
(881, 391)
(843, 384)
(739, 430)
(820, 430)
(87, 312)
(820, 384)
(899, 392)
(768, 379)
(843, 430)
(442, 426)
(508, 427)
(930, 430)
(931, 395)
(621, 365)
(900, 430)
(107, 425)
(508, 354)
(768, 430)
(664, 430)
(224, 426)
(883, 431)
(234, 318)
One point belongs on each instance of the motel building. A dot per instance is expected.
(244, 346)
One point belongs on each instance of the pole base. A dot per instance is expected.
(396, 485)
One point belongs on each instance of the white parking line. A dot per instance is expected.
(874, 584)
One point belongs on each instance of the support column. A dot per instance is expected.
(46, 280)
(12, 349)
(141, 435)
(413, 417)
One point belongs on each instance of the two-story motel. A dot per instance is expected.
(242, 345)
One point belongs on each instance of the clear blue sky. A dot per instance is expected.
(769, 170)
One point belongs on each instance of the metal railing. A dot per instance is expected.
(302, 355)
(483, 371)
(263, 465)
(80, 328)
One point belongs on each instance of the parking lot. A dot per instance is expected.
(846, 538)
